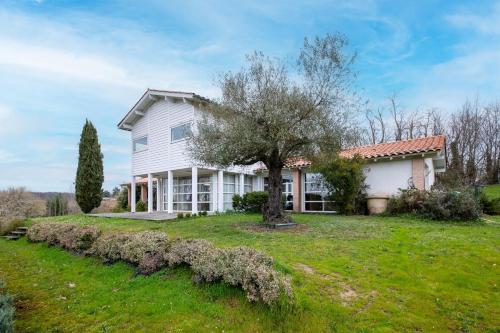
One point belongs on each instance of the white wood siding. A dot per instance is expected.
(162, 154)
(139, 159)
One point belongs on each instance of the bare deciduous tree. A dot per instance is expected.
(398, 118)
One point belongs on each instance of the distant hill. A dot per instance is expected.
(50, 195)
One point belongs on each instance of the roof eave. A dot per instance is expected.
(149, 97)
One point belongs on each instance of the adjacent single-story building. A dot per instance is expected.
(160, 122)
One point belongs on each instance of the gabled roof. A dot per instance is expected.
(396, 148)
(148, 98)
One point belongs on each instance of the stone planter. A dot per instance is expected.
(377, 203)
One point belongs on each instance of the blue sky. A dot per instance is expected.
(64, 61)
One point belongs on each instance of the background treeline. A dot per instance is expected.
(472, 135)
(18, 204)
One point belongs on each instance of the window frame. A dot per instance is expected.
(179, 125)
(235, 183)
(176, 193)
(321, 191)
(139, 138)
(208, 183)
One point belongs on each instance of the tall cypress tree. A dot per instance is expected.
(89, 175)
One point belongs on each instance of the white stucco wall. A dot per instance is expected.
(387, 176)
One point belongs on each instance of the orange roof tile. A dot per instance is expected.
(395, 148)
(387, 149)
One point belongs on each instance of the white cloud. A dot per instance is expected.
(116, 149)
(63, 62)
(487, 24)
(7, 157)
(12, 123)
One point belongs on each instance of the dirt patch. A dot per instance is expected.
(310, 270)
(298, 228)
(305, 268)
(348, 295)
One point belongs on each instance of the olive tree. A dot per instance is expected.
(269, 112)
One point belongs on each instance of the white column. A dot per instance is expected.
(242, 183)
(194, 190)
(132, 195)
(220, 191)
(170, 192)
(158, 194)
(214, 191)
(150, 193)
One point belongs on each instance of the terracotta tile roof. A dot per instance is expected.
(387, 149)
(139, 181)
(395, 148)
(297, 162)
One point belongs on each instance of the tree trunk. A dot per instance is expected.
(273, 213)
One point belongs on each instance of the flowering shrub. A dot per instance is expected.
(151, 250)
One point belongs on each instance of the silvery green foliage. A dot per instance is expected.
(142, 243)
(254, 272)
(206, 261)
(109, 246)
(66, 235)
(152, 251)
(49, 232)
(6, 312)
(80, 239)
(147, 250)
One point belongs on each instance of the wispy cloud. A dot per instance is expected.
(63, 62)
(487, 23)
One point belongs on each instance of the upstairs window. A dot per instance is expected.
(140, 144)
(180, 132)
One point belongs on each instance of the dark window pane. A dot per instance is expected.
(314, 206)
(314, 197)
(330, 206)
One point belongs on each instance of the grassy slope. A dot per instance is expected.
(492, 191)
(359, 274)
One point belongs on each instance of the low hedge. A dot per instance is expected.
(151, 251)
(252, 202)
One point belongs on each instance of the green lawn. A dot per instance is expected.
(350, 274)
(492, 191)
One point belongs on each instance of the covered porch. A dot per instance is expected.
(191, 190)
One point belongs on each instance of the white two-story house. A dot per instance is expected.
(170, 181)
